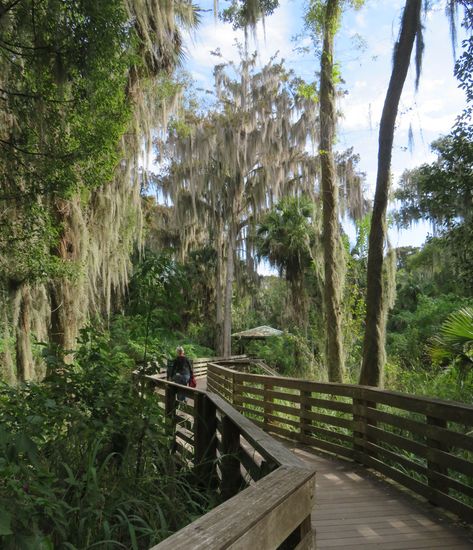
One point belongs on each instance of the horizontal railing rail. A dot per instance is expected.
(266, 491)
(424, 444)
(199, 365)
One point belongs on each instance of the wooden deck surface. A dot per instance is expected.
(356, 510)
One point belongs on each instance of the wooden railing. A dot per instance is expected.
(266, 492)
(424, 444)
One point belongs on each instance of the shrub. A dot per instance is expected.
(84, 459)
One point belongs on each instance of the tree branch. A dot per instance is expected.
(33, 153)
(35, 96)
(8, 7)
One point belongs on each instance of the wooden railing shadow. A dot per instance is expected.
(266, 491)
(424, 444)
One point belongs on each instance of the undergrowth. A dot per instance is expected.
(85, 462)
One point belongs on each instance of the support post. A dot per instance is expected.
(267, 405)
(233, 388)
(359, 429)
(302, 538)
(305, 422)
(232, 480)
(170, 413)
(436, 481)
(205, 440)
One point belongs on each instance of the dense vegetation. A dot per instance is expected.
(85, 458)
(105, 266)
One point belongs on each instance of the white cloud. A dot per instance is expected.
(212, 35)
(360, 20)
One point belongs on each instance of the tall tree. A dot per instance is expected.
(322, 19)
(229, 164)
(376, 314)
(333, 257)
(376, 310)
(75, 106)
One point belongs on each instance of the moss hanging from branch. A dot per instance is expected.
(77, 106)
(231, 164)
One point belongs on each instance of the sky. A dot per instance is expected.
(430, 112)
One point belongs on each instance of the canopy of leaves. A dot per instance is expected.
(232, 162)
(455, 341)
(287, 235)
(443, 191)
(246, 13)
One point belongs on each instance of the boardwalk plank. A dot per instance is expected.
(355, 510)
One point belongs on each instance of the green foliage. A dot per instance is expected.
(437, 382)
(463, 72)
(289, 354)
(354, 297)
(286, 235)
(134, 342)
(246, 13)
(266, 306)
(84, 459)
(441, 191)
(171, 298)
(410, 331)
(455, 341)
(309, 91)
(64, 83)
(316, 14)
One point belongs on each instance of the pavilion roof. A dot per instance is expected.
(258, 332)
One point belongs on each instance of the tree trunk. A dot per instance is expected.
(376, 310)
(227, 309)
(24, 356)
(219, 294)
(299, 305)
(66, 295)
(333, 259)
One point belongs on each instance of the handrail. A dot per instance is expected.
(267, 492)
(422, 443)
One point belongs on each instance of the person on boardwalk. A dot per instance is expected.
(181, 370)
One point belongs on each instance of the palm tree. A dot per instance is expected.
(322, 19)
(333, 257)
(285, 237)
(455, 341)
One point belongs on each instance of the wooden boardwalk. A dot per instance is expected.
(356, 510)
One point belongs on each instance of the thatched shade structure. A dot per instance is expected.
(258, 333)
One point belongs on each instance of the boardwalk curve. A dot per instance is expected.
(355, 510)
(354, 506)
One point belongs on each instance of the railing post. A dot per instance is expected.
(170, 403)
(170, 413)
(436, 482)
(205, 440)
(302, 538)
(305, 407)
(233, 388)
(231, 475)
(267, 405)
(359, 429)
